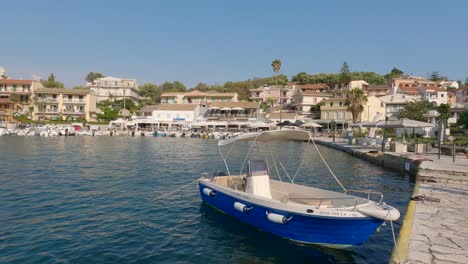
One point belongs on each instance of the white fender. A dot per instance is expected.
(383, 211)
(277, 218)
(242, 207)
(208, 192)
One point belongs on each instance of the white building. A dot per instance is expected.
(176, 112)
(447, 84)
(433, 94)
(111, 88)
(311, 98)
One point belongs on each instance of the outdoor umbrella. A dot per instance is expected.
(310, 125)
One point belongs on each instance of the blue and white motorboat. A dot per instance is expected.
(295, 212)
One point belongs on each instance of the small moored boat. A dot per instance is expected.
(295, 212)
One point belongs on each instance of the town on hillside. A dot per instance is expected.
(332, 102)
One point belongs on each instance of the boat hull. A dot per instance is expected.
(337, 232)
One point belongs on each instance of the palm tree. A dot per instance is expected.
(355, 100)
(276, 64)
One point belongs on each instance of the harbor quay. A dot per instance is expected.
(435, 227)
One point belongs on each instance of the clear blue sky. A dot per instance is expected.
(217, 41)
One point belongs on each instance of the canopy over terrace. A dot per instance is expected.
(402, 123)
(232, 110)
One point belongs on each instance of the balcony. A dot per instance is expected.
(47, 100)
(75, 101)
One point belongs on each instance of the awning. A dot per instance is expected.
(402, 123)
(226, 109)
(213, 108)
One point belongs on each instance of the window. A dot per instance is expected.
(331, 104)
(340, 104)
(441, 95)
(335, 115)
(70, 97)
(14, 87)
(3, 88)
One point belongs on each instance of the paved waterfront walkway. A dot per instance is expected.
(432, 231)
(440, 230)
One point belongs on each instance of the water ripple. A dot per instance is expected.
(95, 200)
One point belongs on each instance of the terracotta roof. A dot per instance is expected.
(62, 91)
(242, 104)
(410, 90)
(177, 107)
(284, 115)
(13, 81)
(315, 86)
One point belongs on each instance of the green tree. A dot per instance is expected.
(108, 114)
(80, 87)
(93, 76)
(51, 82)
(345, 76)
(444, 112)
(355, 100)
(395, 72)
(301, 78)
(463, 119)
(270, 102)
(173, 87)
(150, 91)
(417, 110)
(276, 65)
(202, 87)
(435, 77)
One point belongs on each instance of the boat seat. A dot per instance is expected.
(225, 181)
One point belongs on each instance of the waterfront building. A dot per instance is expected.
(16, 96)
(283, 116)
(395, 102)
(264, 93)
(64, 104)
(311, 98)
(197, 97)
(176, 112)
(111, 88)
(232, 111)
(146, 111)
(433, 94)
(334, 109)
(6, 110)
(374, 109)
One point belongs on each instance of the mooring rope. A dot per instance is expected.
(395, 243)
(326, 164)
(173, 191)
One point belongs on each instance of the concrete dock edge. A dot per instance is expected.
(400, 251)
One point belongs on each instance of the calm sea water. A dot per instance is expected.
(95, 200)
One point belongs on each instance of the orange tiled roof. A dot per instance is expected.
(13, 81)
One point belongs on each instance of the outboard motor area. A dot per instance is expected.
(258, 181)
